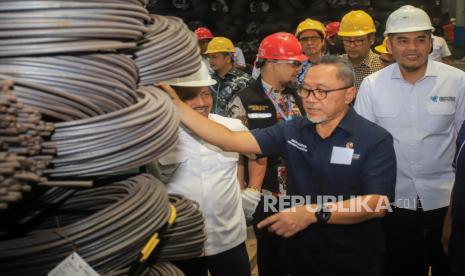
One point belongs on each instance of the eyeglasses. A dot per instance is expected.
(319, 94)
(293, 63)
(356, 42)
(310, 39)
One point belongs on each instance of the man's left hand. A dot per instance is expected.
(288, 222)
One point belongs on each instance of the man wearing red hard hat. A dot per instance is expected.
(265, 102)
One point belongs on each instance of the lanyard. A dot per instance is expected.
(278, 107)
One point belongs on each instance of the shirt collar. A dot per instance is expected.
(350, 121)
(268, 86)
(368, 60)
(431, 70)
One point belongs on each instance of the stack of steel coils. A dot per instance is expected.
(108, 226)
(169, 50)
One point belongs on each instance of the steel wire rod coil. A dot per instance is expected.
(169, 50)
(158, 269)
(51, 27)
(118, 141)
(124, 216)
(74, 87)
(185, 238)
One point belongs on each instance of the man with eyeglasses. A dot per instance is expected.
(332, 152)
(267, 101)
(311, 35)
(357, 31)
(421, 102)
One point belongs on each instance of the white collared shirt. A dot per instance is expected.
(440, 49)
(208, 175)
(424, 119)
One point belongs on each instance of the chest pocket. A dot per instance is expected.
(440, 117)
(441, 108)
(387, 116)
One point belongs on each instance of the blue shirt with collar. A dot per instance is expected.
(331, 249)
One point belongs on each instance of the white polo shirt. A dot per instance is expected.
(424, 119)
(208, 175)
(440, 49)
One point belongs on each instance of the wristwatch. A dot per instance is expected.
(322, 215)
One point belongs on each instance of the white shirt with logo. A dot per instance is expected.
(208, 175)
(424, 119)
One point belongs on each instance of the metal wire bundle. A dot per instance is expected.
(126, 214)
(117, 141)
(51, 27)
(185, 238)
(74, 87)
(158, 269)
(168, 50)
(163, 269)
(22, 133)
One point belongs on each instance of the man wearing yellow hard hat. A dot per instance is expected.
(385, 57)
(357, 30)
(220, 52)
(311, 35)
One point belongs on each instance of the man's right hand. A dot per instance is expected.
(169, 90)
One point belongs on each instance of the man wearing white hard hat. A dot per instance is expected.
(208, 175)
(421, 102)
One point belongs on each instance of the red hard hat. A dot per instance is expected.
(281, 46)
(203, 33)
(332, 28)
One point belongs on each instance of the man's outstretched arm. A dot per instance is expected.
(210, 131)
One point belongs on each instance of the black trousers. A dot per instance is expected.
(269, 246)
(413, 243)
(233, 262)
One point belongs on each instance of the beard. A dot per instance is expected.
(317, 120)
(292, 84)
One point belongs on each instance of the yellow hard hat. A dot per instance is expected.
(382, 48)
(356, 23)
(310, 24)
(220, 44)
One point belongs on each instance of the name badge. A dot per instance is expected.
(342, 156)
(259, 115)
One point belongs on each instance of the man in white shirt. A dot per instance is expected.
(208, 175)
(239, 59)
(421, 102)
(440, 51)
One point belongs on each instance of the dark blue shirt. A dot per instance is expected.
(330, 249)
(457, 238)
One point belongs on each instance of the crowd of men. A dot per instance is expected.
(343, 156)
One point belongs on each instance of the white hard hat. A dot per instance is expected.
(408, 19)
(201, 78)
